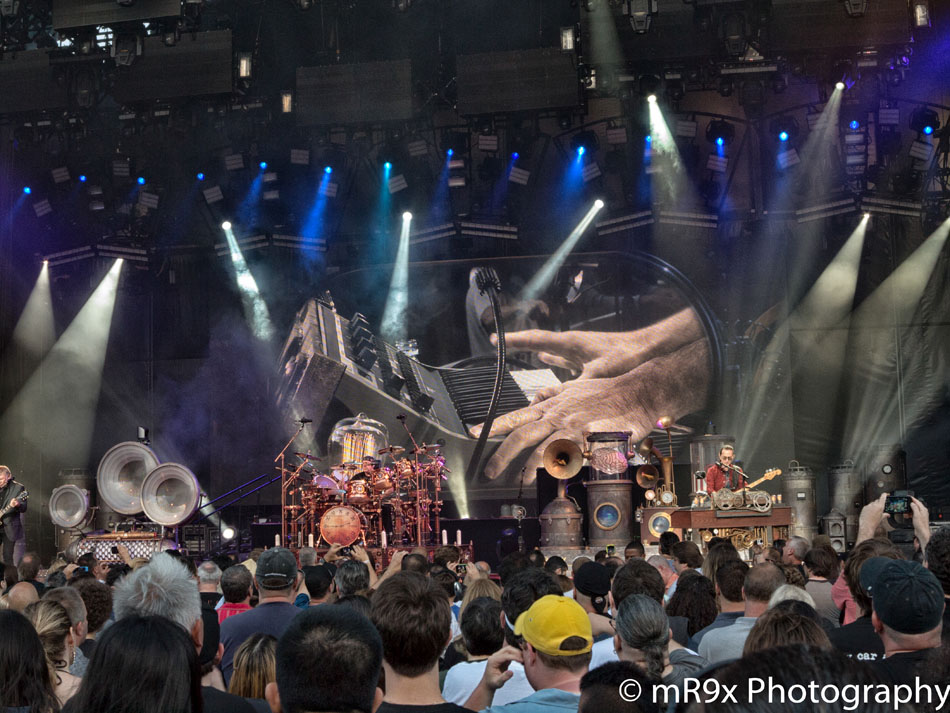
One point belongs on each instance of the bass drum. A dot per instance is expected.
(342, 525)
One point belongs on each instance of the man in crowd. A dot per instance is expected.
(307, 557)
(795, 550)
(209, 582)
(937, 560)
(686, 555)
(165, 588)
(328, 659)
(667, 540)
(318, 581)
(907, 606)
(351, 577)
(555, 640)
(20, 596)
(728, 583)
(634, 550)
(667, 573)
(236, 587)
(29, 569)
(759, 585)
(98, 569)
(412, 615)
(277, 579)
(858, 639)
(483, 634)
(97, 598)
(591, 587)
(601, 690)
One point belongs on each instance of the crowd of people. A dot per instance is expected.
(289, 632)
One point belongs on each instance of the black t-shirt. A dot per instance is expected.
(437, 708)
(216, 701)
(858, 640)
(87, 647)
(903, 668)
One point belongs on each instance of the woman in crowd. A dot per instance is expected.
(254, 666)
(694, 598)
(51, 621)
(821, 567)
(780, 627)
(141, 664)
(27, 686)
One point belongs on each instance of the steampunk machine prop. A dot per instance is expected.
(374, 494)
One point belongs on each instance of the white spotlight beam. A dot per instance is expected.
(546, 274)
(255, 309)
(394, 326)
(35, 331)
(56, 409)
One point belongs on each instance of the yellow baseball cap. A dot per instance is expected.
(550, 621)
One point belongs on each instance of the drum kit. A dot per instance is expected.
(392, 500)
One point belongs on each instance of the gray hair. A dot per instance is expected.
(659, 562)
(163, 587)
(307, 557)
(209, 573)
(799, 545)
(643, 625)
(790, 591)
(351, 577)
(71, 601)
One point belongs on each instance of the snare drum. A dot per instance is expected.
(342, 525)
(358, 492)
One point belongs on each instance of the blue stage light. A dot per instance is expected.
(581, 150)
(387, 165)
(649, 139)
(928, 130)
(854, 125)
(263, 165)
(82, 177)
(720, 141)
(783, 136)
(328, 169)
(27, 190)
(514, 156)
(200, 176)
(141, 180)
(449, 153)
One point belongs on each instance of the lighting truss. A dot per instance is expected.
(519, 176)
(66, 256)
(295, 242)
(624, 223)
(696, 220)
(300, 157)
(825, 210)
(489, 230)
(213, 194)
(42, 208)
(435, 232)
(246, 245)
(891, 206)
(122, 251)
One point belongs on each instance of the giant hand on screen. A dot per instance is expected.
(672, 385)
(594, 355)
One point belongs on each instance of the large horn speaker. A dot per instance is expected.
(170, 494)
(68, 506)
(121, 473)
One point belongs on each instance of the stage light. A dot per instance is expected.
(449, 153)
(598, 204)
(720, 141)
(407, 216)
(839, 86)
(226, 225)
(924, 120)
(27, 190)
(720, 132)
(263, 165)
(514, 156)
(649, 139)
(328, 169)
(388, 165)
(784, 128)
(82, 178)
(140, 180)
(228, 533)
(651, 98)
(854, 125)
(584, 141)
(244, 65)
(200, 176)
(580, 152)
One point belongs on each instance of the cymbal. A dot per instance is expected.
(345, 466)
(306, 456)
(394, 451)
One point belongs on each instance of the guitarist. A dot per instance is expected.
(723, 474)
(11, 529)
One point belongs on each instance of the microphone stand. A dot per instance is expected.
(417, 483)
(284, 481)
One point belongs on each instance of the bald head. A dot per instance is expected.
(21, 595)
(762, 581)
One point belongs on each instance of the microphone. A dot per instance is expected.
(305, 420)
(401, 417)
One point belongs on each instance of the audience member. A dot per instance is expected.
(556, 565)
(209, 584)
(21, 595)
(511, 564)
(859, 639)
(355, 602)
(554, 649)
(97, 598)
(907, 606)
(27, 684)
(328, 659)
(351, 577)
(483, 634)
(821, 568)
(536, 558)
(728, 581)
(10, 577)
(793, 575)
(667, 573)
(695, 600)
(634, 549)
(29, 569)
(97, 569)
(790, 591)
(143, 664)
(447, 555)
(254, 666)
(667, 540)
(318, 581)
(937, 560)
(277, 579)
(795, 550)
(51, 621)
(72, 602)
(56, 579)
(768, 554)
(307, 556)
(601, 687)
(591, 587)
(236, 588)
(612, 564)
(600, 556)
(778, 627)
(415, 563)
(414, 622)
(686, 555)
(802, 608)
(644, 638)
(116, 572)
(759, 584)
(165, 588)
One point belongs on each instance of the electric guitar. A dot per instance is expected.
(21, 498)
(767, 475)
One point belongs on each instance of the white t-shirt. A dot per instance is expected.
(462, 679)
(602, 652)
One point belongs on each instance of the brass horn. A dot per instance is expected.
(562, 459)
(647, 474)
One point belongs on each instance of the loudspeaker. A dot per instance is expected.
(885, 471)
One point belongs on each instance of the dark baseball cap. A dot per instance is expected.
(592, 580)
(276, 568)
(906, 596)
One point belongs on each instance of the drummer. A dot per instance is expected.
(370, 469)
